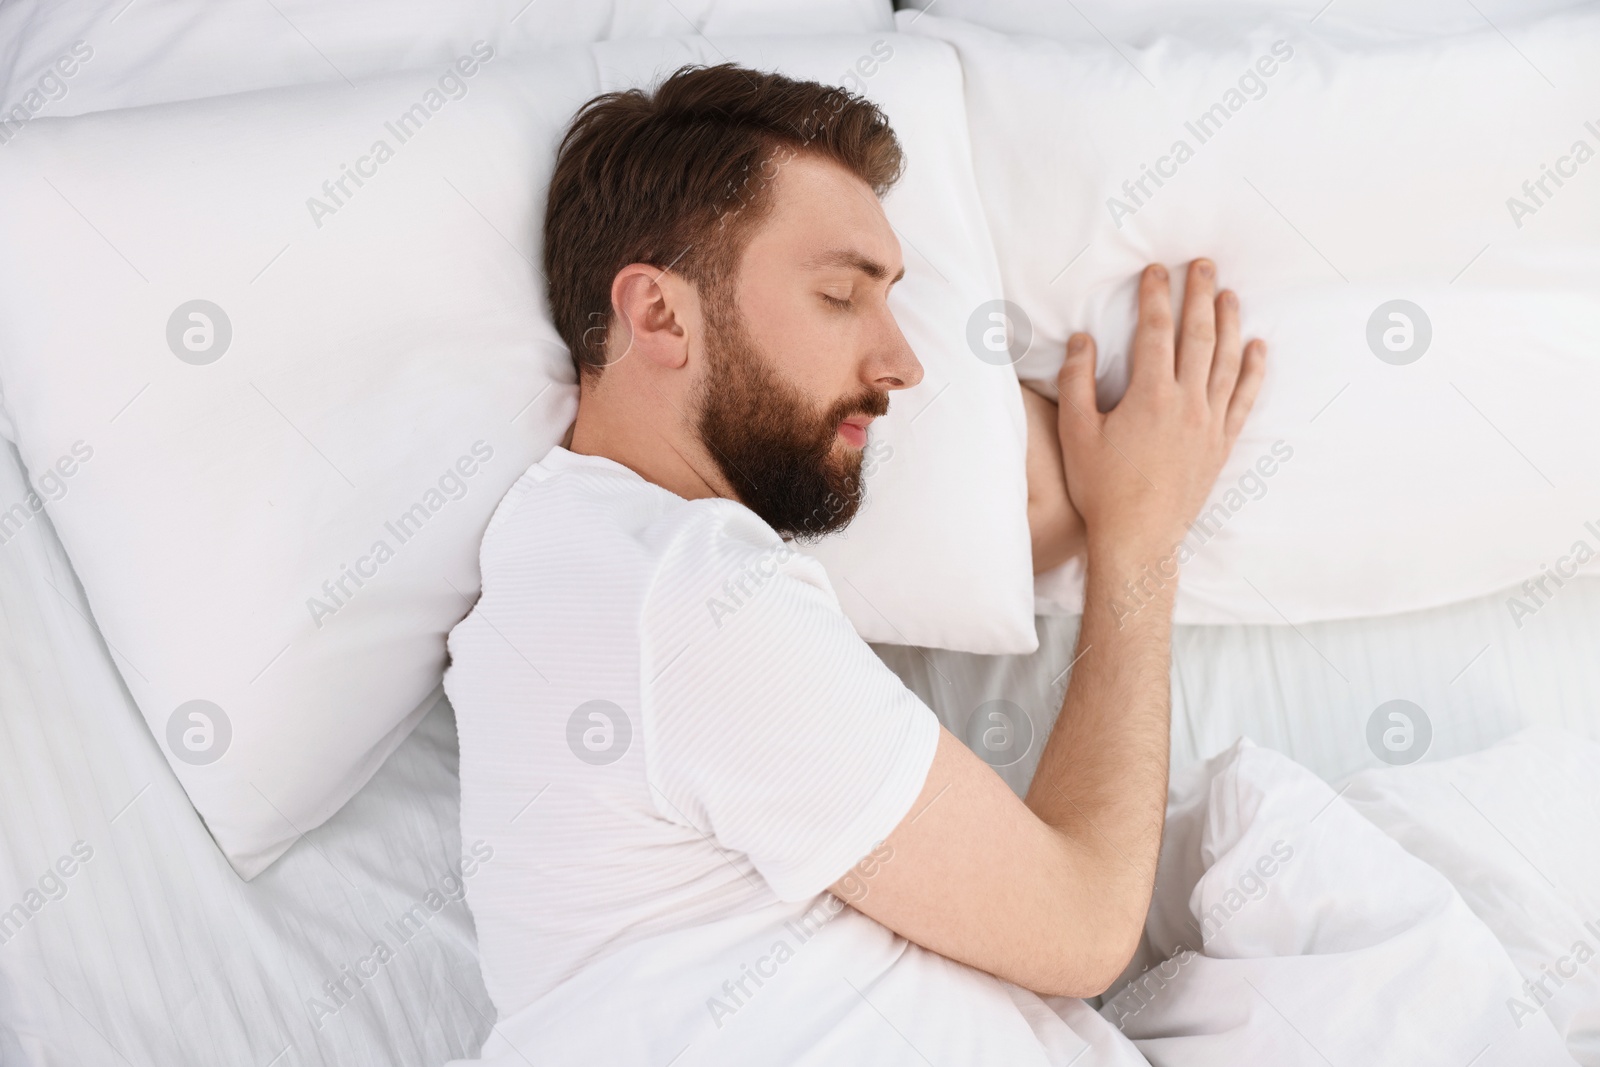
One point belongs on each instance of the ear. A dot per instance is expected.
(655, 310)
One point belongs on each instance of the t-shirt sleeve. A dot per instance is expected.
(771, 727)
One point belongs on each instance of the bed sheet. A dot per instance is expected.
(1473, 671)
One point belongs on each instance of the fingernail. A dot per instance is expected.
(1158, 272)
(1075, 344)
(1205, 268)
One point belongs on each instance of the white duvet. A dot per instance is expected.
(1290, 929)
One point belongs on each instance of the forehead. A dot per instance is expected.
(818, 205)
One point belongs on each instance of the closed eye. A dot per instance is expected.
(836, 302)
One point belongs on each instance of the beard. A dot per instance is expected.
(783, 458)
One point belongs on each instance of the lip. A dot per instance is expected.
(854, 430)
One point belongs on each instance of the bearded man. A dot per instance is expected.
(737, 837)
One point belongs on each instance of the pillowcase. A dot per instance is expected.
(274, 358)
(68, 59)
(1414, 229)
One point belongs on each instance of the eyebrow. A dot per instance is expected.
(844, 257)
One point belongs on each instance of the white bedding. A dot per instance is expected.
(1294, 931)
(1502, 826)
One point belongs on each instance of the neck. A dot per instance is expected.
(653, 451)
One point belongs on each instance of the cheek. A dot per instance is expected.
(808, 343)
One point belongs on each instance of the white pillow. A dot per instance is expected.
(1330, 181)
(114, 53)
(381, 374)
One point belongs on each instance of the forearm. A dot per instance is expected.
(1077, 874)
(1102, 778)
(1054, 525)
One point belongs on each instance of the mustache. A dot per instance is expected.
(873, 403)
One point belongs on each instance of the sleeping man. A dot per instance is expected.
(736, 836)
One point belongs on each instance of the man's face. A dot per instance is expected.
(802, 351)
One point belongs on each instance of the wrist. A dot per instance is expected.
(1150, 563)
(1122, 550)
(1130, 585)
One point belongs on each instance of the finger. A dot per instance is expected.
(1197, 339)
(1076, 386)
(1152, 349)
(1252, 370)
(1225, 364)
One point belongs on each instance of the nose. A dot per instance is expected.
(894, 364)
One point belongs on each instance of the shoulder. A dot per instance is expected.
(566, 490)
(717, 556)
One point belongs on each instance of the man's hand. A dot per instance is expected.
(1139, 473)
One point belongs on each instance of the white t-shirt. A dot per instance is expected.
(674, 742)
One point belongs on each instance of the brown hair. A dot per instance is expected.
(676, 177)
